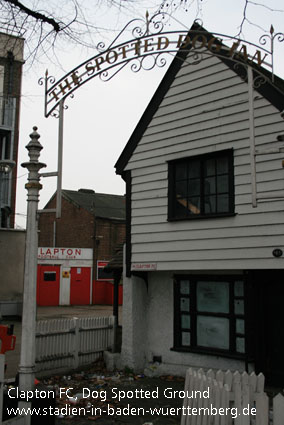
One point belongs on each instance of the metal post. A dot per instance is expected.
(60, 158)
(252, 137)
(115, 312)
(27, 358)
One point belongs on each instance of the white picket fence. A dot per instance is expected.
(226, 398)
(70, 343)
(65, 344)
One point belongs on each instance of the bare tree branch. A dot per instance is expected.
(35, 14)
(249, 21)
(46, 24)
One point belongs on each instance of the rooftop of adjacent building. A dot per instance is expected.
(103, 205)
(13, 44)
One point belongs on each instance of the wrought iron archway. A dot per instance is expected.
(148, 48)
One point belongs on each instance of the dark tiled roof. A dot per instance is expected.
(101, 204)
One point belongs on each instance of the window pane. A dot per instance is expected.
(185, 338)
(240, 326)
(240, 345)
(181, 189)
(182, 209)
(194, 187)
(49, 276)
(222, 166)
(213, 297)
(210, 186)
(185, 321)
(210, 204)
(239, 307)
(184, 304)
(239, 288)
(184, 286)
(194, 168)
(213, 332)
(210, 167)
(181, 171)
(194, 205)
(222, 184)
(223, 203)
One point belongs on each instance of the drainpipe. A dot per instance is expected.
(54, 233)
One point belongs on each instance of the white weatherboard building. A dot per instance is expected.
(204, 275)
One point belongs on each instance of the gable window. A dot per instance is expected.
(201, 186)
(210, 314)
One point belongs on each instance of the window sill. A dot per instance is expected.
(201, 217)
(211, 352)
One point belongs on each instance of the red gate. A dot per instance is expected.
(48, 279)
(80, 285)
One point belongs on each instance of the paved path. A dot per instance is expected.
(47, 313)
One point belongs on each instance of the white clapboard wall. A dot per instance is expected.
(205, 110)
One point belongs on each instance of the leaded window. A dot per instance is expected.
(201, 186)
(210, 314)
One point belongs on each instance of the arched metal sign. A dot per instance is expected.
(149, 47)
(151, 41)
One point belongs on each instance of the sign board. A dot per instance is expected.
(55, 253)
(146, 50)
(143, 266)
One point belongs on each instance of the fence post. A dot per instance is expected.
(76, 345)
(278, 409)
(262, 409)
(245, 398)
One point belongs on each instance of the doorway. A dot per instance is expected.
(48, 280)
(80, 286)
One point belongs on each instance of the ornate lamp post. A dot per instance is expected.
(27, 359)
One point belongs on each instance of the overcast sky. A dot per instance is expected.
(102, 115)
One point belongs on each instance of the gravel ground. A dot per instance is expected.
(116, 398)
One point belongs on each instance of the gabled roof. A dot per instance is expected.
(102, 205)
(273, 92)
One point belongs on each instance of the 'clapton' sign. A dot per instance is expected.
(51, 253)
(147, 49)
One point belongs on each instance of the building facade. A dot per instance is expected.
(11, 62)
(74, 249)
(204, 272)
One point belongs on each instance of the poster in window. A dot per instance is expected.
(213, 297)
(213, 332)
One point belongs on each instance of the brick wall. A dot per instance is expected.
(109, 234)
(78, 228)
(75, 228)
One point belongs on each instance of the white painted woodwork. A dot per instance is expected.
(206, 110)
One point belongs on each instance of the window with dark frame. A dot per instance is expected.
(210, 314)
(49, 276)
(201, 186)
(5, 144)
